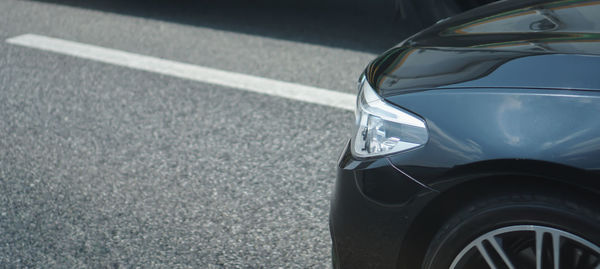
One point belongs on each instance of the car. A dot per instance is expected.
(477, 145)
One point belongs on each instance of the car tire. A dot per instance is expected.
(501, 212)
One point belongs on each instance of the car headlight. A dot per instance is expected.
(384, 129)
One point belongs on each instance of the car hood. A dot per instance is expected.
(512, 44)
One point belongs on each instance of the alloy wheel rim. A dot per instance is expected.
(528, 246)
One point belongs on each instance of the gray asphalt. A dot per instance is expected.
(104, 166)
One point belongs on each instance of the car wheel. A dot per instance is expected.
(518, 231)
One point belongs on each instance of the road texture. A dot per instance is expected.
(110, 167)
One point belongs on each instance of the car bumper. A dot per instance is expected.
(372, 208)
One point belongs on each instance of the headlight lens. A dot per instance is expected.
(383, 129)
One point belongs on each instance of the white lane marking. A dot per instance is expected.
(188, 71)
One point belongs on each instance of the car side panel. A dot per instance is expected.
(468, 126)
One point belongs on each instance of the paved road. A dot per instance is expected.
(105, 166)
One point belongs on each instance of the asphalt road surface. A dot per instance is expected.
(106, 166)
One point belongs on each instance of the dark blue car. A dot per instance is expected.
(477, 145)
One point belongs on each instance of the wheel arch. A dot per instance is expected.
(548, 178)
